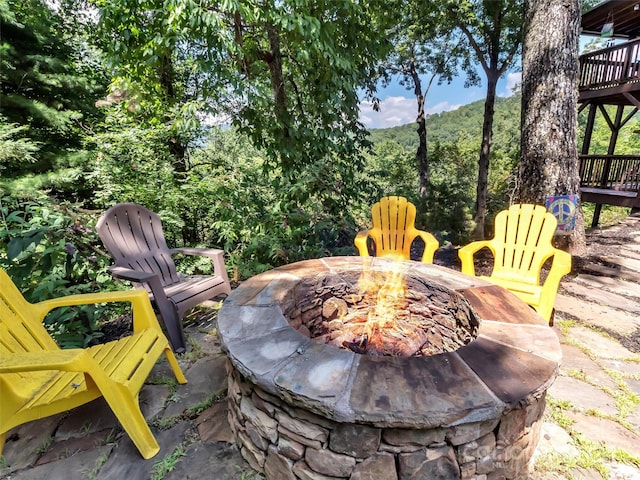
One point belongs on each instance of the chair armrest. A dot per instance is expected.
(361, 243)
(560, 266)
(216, 256)
(66, 360)
(203, 252)
(467, 252)
(151, 279)
(143, 314)
(131, 275)
(430, 245)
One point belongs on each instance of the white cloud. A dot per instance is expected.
(396, 111)
(442, 107)
(514, 79)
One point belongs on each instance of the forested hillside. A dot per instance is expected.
(466, 121)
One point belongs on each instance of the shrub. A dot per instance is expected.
(49, 252)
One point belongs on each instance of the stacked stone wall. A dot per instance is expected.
(290, 443)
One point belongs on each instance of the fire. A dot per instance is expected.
(386, 313)
(385, 294)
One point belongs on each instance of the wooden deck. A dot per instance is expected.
(610, 180)
(611, 75)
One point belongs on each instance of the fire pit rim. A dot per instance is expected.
(512, 361)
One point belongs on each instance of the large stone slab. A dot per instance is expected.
(512, 374)
(602, 297)
(205, 379)
(574, 359)
(75, 467)
(600, 345)
(598, 315)
(424, 392)
(582, 395)
(606, 432)
(615, 285)
(317, 381)
(219, 461)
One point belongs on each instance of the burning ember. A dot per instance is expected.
(383, 313)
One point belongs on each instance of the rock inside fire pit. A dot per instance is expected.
(381, 313)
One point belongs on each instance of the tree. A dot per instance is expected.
(493, 32)
(420, 50)
(46, 84)
(549, 158)
(287, 73)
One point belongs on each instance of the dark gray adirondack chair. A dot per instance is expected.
(133, 236)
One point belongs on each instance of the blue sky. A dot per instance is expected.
(399, 107)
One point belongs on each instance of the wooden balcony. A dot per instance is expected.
(610, 179)
(611, 75)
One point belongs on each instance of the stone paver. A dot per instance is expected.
(576, 361)
(600, 345)
(607, 432)
(614, 285)
(577, 289)
(598, 315)
(582, 395)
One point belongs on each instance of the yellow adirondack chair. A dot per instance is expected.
(393, 231)
(521, 245)
(38, 379)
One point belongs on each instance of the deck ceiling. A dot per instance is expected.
(625, 15)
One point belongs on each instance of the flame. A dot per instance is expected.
(385, 294)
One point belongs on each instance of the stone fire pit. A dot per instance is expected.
(305, 410)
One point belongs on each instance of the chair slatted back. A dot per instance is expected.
(393, 226)
(523, 241)
(19, 332)
(134, 237)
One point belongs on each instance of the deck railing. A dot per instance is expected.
(610, 172)
(611, 66)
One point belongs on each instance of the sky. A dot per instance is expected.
(399, 107)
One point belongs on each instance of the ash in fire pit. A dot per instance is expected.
(381, 313)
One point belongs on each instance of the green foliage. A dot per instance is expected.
(285, 73)
(49, 252)
(133, 164)
(229, 198)
(14, 147)
(391, 170)
(449, 207)
(453, 153)
(45, 84)
(262, 218)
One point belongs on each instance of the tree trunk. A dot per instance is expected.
(485, 152)
(421, 154)
(549, 155)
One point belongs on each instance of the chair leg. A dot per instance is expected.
(173, 326)
(173, 363)
(126, 408)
